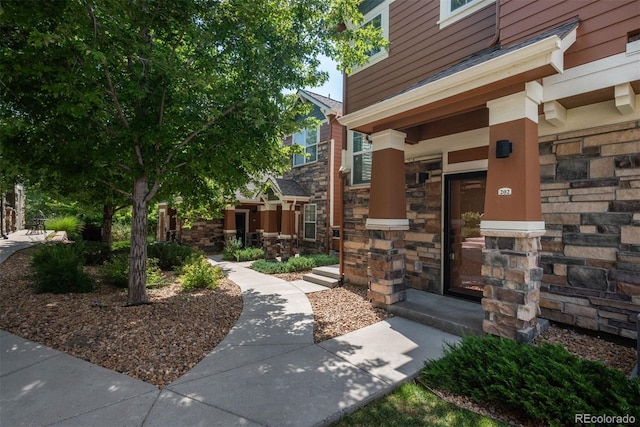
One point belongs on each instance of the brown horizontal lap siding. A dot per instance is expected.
(418, 49)
(602, 30)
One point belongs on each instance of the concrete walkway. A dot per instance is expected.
(267, 371)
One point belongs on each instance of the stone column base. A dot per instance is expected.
(512, 285)
(386, 267)
(270, 245)
(229, 234)
(286, 248)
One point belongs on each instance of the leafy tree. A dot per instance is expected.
(155, 95)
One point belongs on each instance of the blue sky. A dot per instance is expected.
(333, 87)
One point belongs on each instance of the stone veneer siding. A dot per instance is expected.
(590, 254)
(422, 240)
(313, 177)
(206, 235)
(591, 207)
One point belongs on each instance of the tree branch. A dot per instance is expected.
(112, 91)
(116, 189)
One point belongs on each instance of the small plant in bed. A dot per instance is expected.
(197, 273)
(543, 382)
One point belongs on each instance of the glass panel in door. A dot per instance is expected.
(463, 242)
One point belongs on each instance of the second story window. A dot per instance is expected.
(361, 172)
(377, 17)
(454, 10)
(307, 138)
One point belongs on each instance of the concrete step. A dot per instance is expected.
(329, 282)
(332, 271)
(456, 316)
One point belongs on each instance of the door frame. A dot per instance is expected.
(446, 262)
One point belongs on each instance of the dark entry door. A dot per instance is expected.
(464, 207)
(241, 230)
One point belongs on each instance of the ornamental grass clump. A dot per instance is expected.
(57, 268)
(72, 225)
(198, 273)
(542, 382)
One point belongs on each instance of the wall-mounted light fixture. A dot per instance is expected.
(504, 147)
(422, 177)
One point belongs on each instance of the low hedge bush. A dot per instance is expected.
(248, 254)
(231, 246)
(57, 268)
(543, 382)
(301, 263)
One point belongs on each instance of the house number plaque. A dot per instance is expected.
(505, 191)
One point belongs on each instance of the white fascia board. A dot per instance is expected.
(528, 58)
(600, 74)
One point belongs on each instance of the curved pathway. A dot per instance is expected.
(267, 371)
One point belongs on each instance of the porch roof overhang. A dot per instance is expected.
(468, 85)
(286, 190)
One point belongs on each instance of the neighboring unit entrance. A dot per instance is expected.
(463, 244)
(241, 228)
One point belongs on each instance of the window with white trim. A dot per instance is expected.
(307, 138)
(453, 10)
(378, 17)
(309, 231)
(362, 159)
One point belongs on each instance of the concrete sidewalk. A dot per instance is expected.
(267, 371)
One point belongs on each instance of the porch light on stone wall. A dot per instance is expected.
(504, 147)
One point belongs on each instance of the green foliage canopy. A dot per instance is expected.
(155, 97)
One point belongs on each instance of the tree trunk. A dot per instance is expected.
(107, 223)
(138, 258)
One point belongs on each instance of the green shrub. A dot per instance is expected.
(170, 255)
(57, 268)
(116, 270)
(120, 232)
(197, 273)
(269, 267)
(299, 264)
(121, 247)
(155, 278)
(72, 225)
(95, 253)
(231, 246)
(543, 382)
(248, 254)
(323, 259)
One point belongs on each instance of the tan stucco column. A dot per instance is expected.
(512, 222)
(269, 220)
(387, 219)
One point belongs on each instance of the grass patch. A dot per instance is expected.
(543, 382)
(412, 405)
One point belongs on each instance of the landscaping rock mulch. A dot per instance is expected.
(339, 311)
(156, 343)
